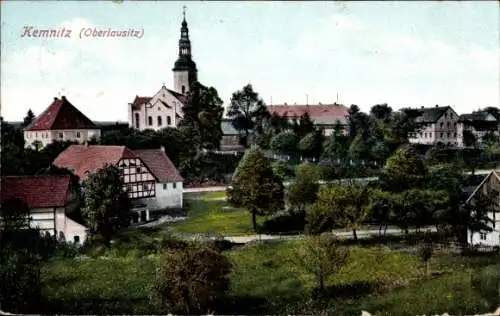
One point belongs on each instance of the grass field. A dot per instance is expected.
(265, 281)
(207, 214)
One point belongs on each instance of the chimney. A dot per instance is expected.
(422, 107)
(63, 98)
(437, 105)
(55, 98)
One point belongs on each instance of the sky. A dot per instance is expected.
(365, 53)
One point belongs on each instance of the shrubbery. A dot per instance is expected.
(285, 222)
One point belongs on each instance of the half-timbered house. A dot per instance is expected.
(151, 180)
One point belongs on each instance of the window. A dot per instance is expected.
(36, 135)
(441, 135)
(159, 121)
(183, 89)
(61, 135)
(454, 134)
(448, 135)
(76, 239)
(150, 120)
(137, 120)
(448, 124)
(455, 124)
(430, 135)
(77, 134)
(425, 135)
(174, 185)
(138, 170)
(164, 186)
(169, 120)
(159, 109)
(482, 236)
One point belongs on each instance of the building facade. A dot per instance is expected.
(49, 200)
(164, 109)
(150, 178)
(61, 121)
(436, 125)
(490, 184)
(325, 116)
(478, 124)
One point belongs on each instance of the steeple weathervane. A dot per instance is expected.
(184, 12)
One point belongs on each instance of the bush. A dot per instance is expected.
(190, 279)
(283, 170)
(285, 222)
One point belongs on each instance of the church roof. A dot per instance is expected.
(61, 114)
(37, 191)
(139, 101)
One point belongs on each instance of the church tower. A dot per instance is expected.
(185, 72)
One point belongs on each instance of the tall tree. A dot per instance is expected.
(285, 143)
(336, 145)
(30, 117)
(381, 112)
(303, 191)
(305, 126)
(247, 110)
(404, 170)
(201, 123)
(256, 187)
(107, 205)
(311, 145)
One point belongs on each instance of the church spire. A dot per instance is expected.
(184, 64)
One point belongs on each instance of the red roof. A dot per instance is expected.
(84, 159)
(181, 97)
(61, 114)
(159, 164)
(315, 111)
(37, 191)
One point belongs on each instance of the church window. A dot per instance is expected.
(77, 134)
(137, 120)
(61, 135)
(169, 120)
(159, 121)
(150, 120)
(183, 89)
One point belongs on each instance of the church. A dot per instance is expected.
(164, 109)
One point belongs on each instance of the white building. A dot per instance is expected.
(61, 121)
(150, 178)
(491, 183)
(164, 109)
(49, 199)
(437, 125)
(477, 124)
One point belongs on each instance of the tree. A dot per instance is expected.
(305, 125)
(336, 146)
(346, 206)
(201, 123)
(404, 170)
(14, 215)
(255, 186)
(311, 145)
(381, 112)
(303, 191)
(246, 111)
(107, 206)
(381, 208)
(322, 257)
(425, 253)
(478, 211)
(12, 159)
(30, 117)
(190, 278)
(285, 143)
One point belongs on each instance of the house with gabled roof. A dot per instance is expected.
(478, 124)
(325, 116)
(436, 125)
(49, 199)
(489, 186)
(61, 121)
(152, 181)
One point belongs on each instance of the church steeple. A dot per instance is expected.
(185, 72)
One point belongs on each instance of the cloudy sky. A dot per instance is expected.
(400, 53)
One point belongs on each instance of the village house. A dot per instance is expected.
(150, 178)
(437, 125)
(50, 201)
(477, 124)
(164, 109)
(230, 141)
(325, 116)
(489, 185)
(61, 121)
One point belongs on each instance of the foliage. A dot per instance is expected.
(285, 143)
(322, 257)
(189, 280)
(107, 206)
(311, 145)
(346, 206)
(404, 170)
(14, 215)
(283, 170)
(30, 117)
(285, 222)
(477, 211)
(303, 190)
(255, 186)
(201, 123)
(247, 112)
